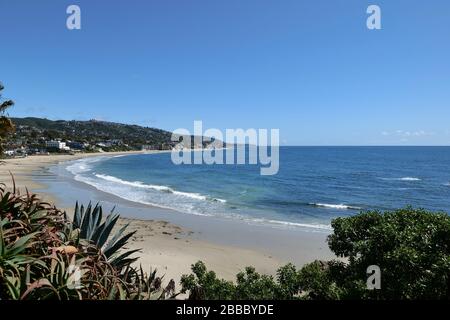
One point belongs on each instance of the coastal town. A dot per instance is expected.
(38, 136)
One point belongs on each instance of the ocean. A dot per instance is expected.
(313, 185)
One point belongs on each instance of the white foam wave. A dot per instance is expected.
(293, 224)
(409, 179)
(83, 165)
(139, 184)
(168, 198)
(404, 179)
(335, 206)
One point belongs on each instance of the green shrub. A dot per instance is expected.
(411, 247)
(249, 285)
(204, 284)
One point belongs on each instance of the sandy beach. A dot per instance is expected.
(23, 168)
(170, 247)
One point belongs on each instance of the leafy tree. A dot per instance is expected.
(411, 247)
(6, 125)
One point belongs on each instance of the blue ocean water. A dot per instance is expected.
(313, 185)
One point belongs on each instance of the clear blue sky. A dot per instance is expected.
(310, 68)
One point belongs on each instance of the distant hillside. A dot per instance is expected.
(92, 131)
(110, 136)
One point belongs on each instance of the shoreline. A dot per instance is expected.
(171, 242)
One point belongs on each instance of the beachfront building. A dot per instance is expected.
(77, 145)
(18, 152)
(56, 144)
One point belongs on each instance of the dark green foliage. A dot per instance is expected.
(6, 125)
(203, 284)
(254, 286)
(411, 247)
(250, 285)
(318, 280)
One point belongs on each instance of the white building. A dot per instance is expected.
(57, 145)
(9, 152)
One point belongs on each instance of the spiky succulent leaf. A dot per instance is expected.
(118, 244)
(104, 231)
(77, 216)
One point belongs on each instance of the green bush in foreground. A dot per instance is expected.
(411, 247)
(43, 255)
(204, 284)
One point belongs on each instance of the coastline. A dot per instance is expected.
(171, 242)
(23, 169)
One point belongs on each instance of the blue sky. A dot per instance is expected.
(310, 68)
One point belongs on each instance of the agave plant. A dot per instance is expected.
(98, 232)
(62, 280)
(43, 255)
(27, 229)
(14, 261)
(148, 286)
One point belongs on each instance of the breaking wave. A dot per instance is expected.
(148, 194)
(334, 206)
(403, 179)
